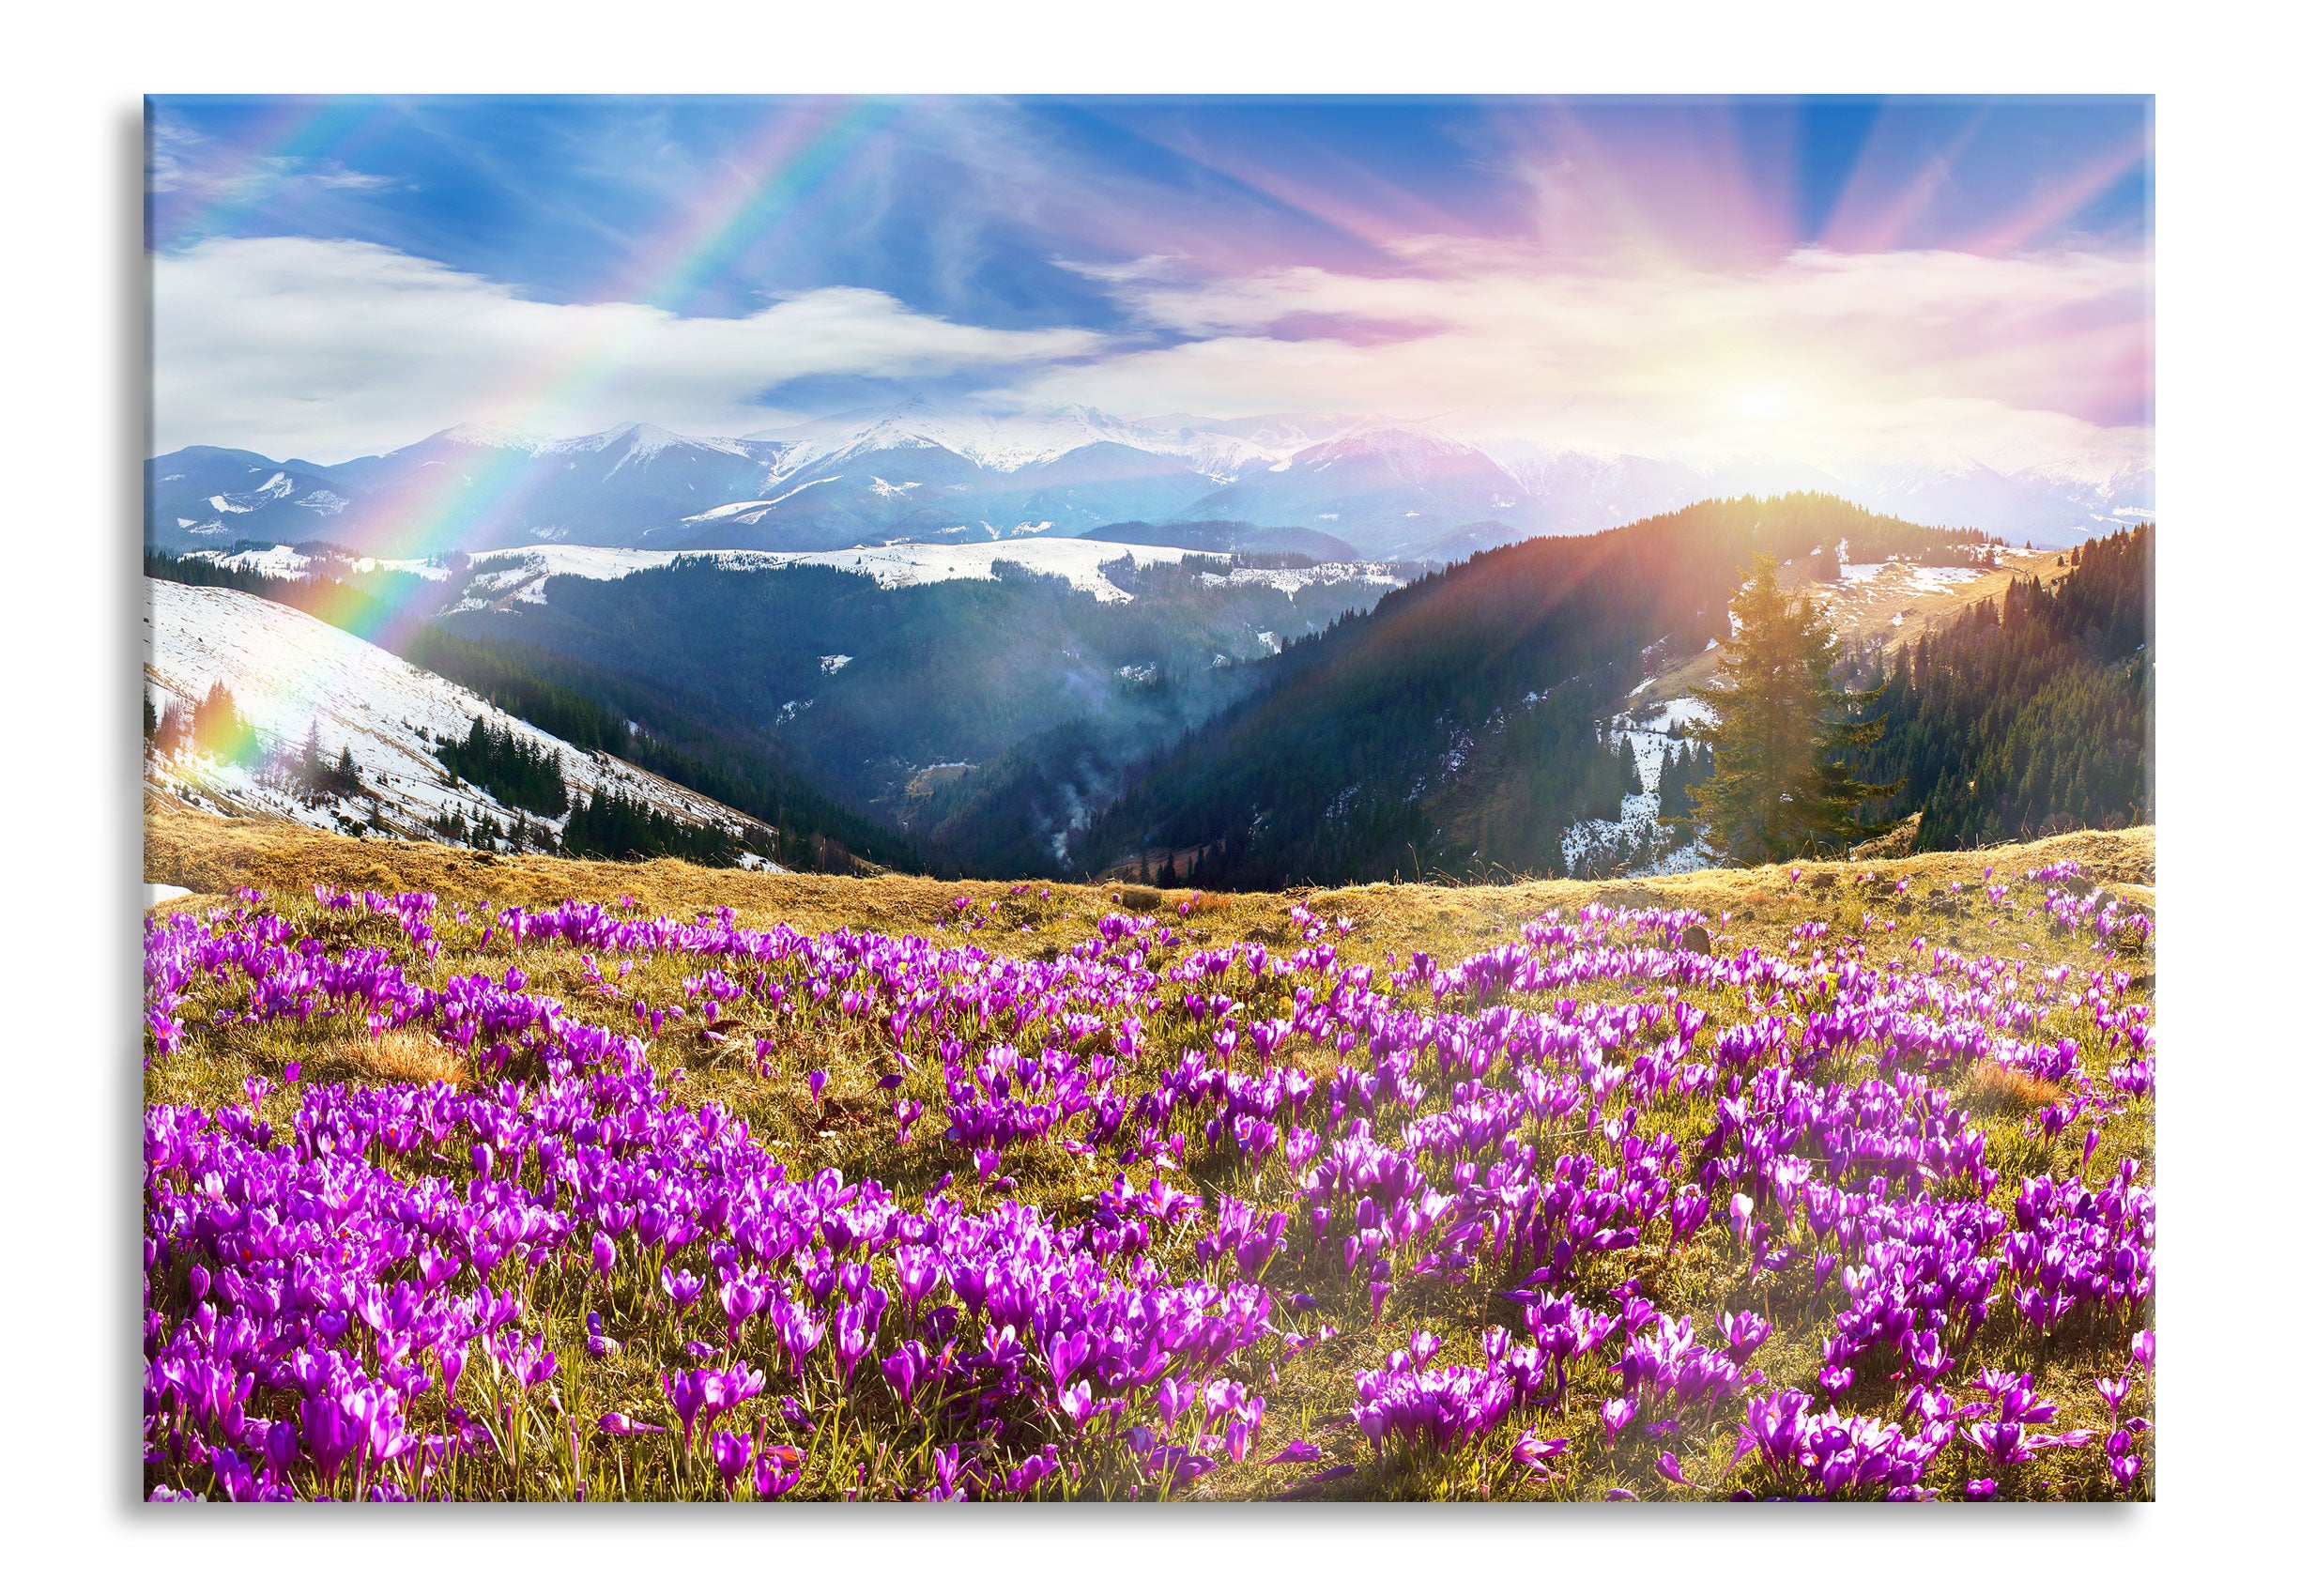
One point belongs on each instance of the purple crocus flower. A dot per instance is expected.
(623, 1424)
(685, 1390)
(1077, 1402)
(742, 1295)
(854, 1330)
(682, 1288)
(731, 1450)
(1175, 1398)
(1616, 1416)
(1532, 1451)
(776, 1472)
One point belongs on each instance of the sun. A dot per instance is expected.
(1760, 404)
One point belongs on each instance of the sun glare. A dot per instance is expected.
(1760, 404)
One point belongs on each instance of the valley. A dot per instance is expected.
(1074, 706)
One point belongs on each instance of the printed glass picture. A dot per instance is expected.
(1149, 799)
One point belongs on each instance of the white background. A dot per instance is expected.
(73, 399)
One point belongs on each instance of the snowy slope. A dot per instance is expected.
(1636, 835)
(524, 574)
(280, 560)
(286, 669)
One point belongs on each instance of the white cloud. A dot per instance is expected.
(1823, 356)
(328, 349)
(300, 346)
(328, 174)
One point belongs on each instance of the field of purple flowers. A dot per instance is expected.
(460, 1200)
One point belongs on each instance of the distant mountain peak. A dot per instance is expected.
(478, 434)
(1394, 440)
(951, 471)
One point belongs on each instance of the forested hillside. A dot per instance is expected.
(1024, 693)
(1463, 725)
(650, 725)
(1455, 727)
(2032, 716)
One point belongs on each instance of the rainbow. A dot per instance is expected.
(796, 158)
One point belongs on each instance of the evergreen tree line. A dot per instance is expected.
(215, 725)
(660, 730)
(2030, 716)
(512, 769)
(520, 835)
(613, 826)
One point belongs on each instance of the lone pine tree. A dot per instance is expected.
(1780, 725)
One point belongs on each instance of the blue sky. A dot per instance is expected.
(1214, 256)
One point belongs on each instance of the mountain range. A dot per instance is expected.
(1333, 486)
(1042, 703)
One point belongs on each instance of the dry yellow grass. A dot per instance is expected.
(212, 854)
(1992, 1089)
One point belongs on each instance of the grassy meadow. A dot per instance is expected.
(825, 1105)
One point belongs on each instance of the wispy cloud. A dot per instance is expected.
(1819, 354)
(326, 349)
(185, 162)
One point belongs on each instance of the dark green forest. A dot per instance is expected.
(2032, 716)
(612, 826)
(512, 769)
(1346, 764)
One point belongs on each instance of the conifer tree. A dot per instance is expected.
(1780, 725)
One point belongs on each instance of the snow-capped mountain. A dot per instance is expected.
(211, 497)
(289, 672)
(922, 472)
(995, 442)
(2054, 504)
(1402, 489)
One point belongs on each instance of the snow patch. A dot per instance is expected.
(1083, 562)
(287, 670)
